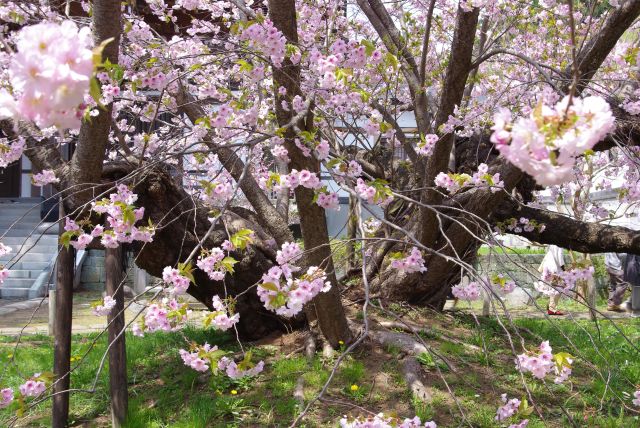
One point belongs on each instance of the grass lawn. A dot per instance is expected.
(163, 392)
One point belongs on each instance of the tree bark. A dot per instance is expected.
(85, 168)
(114, 284)
(327, 307)
(62, 333)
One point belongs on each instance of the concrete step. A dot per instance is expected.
(23, 273)
(28, 257)
(26, 230)
(17, 283)
(17, 241)
(32, 266)
(14, 293)
(37, 248)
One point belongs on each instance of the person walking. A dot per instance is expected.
(632, 277)
(617, 284)
(552, 264)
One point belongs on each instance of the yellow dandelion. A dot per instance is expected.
(354, 388)
(340, 342)
(234, 392)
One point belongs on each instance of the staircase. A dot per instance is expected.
(34, 249)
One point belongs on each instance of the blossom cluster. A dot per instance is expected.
(220, 318)
(45, 177)
(427, 144)
(470, 291)
(4, 272)
(11, 151)
(49, 74)
(203, 357)
(509, 408)
(104, 307)
(412, 263)
(542, 362)
(6, 397)
(384, 421)
(453, 182)
(166, 315)
(546, 144)
(280, 292)
(520, 225)
(199, 358)
(563, 282)
(266, 38)
(501, 284)
(121, 218)
(237, 371)
(375, 192)
(210, 262)
(33, 387)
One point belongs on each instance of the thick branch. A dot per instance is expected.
(573, 234)
(269, 217)
(597, 49)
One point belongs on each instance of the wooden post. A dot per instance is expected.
(62, 332)
(117, 352)
(52, 312)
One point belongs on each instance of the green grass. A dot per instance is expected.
(163, 392)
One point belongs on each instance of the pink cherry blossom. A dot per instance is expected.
(104, 308)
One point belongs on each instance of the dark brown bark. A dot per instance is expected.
(62, 333)
(114, 285)
(572, 234)
(85, 167)
(182, 222)
(326, 307)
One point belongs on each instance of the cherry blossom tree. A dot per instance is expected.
(198, 125)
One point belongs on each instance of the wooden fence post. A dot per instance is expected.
(114, 273)
(62, 332)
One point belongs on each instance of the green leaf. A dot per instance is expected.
(65, 238)
(95, 92)
(270, 286)
(242, 238)
(228, 263)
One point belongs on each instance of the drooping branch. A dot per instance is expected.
(567, 232)
(269, 217)
(596, 50)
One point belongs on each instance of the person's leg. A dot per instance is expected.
(553, 302)
(617, 288)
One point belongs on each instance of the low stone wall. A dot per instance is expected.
(522, 268)
(92, 276)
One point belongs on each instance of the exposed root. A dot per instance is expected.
(298, 392)
(310, 345)
(327, 350)
(412, 371)
(402, 341)
(413, 328)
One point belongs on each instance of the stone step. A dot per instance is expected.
(32, 266)
(16, 241)
(27, 230)
(17, 283)
(14, 293)
(28, 257)
(37, 248)
(23, 273)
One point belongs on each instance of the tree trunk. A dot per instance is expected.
(114, 284)
(327, 307)
(62, 332)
